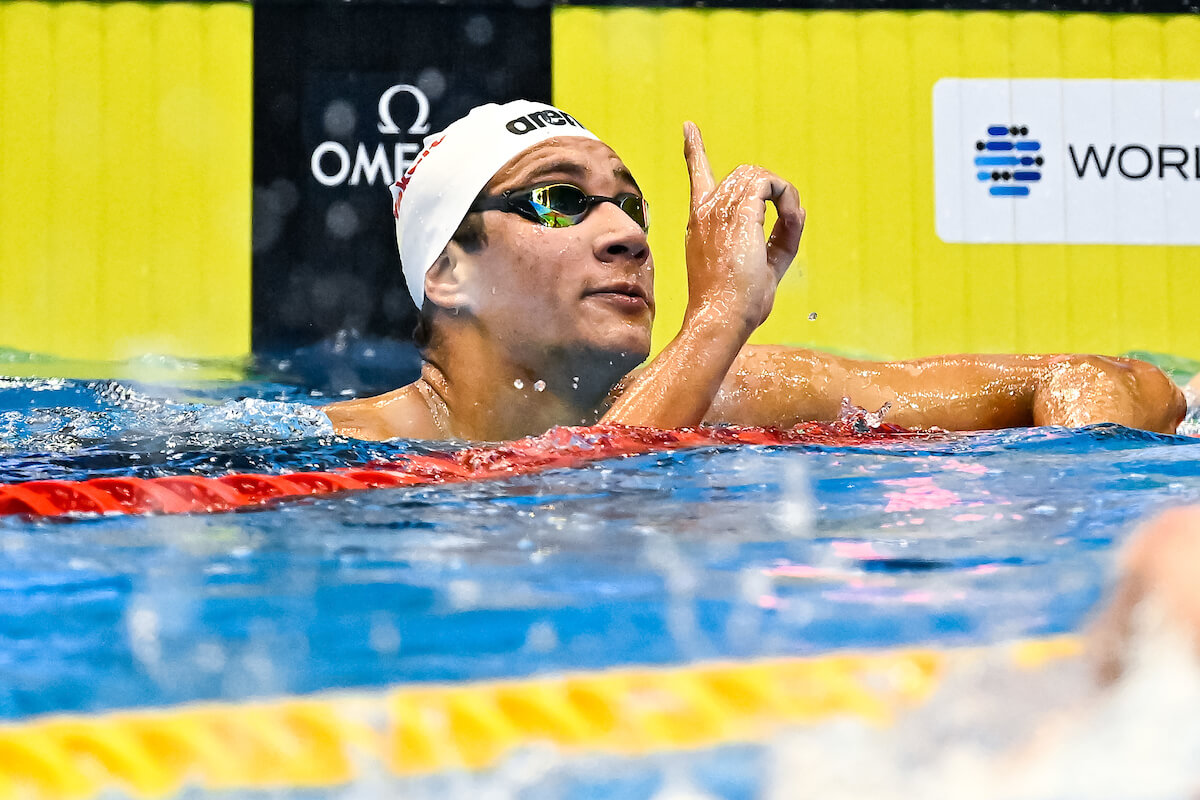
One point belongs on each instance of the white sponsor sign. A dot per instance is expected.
(1067, 161)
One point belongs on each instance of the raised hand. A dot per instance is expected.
(732, 271)
(732, 275)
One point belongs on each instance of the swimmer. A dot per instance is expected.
(1159, 562)
(522, 239)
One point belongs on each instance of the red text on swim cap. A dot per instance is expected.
(404, 179)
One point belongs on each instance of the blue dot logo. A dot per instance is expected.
(1008, 161)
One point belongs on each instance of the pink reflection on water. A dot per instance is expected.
(861, 551)
(797, 571)
(969, 467)
(920, 494)
(927, 597)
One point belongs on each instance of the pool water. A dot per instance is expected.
(711, 553)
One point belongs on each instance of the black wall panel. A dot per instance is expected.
(324, 244)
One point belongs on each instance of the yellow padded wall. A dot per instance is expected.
(125, 165)
(841, 104)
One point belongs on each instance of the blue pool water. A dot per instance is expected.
(715, 552)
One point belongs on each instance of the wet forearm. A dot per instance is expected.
(771, 385)
(958, 392)
(971, 392)
(677, 388)
(779, 385)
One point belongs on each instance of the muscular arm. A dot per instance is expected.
(677, 388)
(707, 373)
(732, 275)
(782, 386)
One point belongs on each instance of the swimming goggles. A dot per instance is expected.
(561, 205)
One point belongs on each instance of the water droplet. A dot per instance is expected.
(383, 637)
(812, 316)
(541, 637)
(575, 382)
(520, 384)
(540, 386)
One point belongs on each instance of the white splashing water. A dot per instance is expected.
(999, 733)
(1191, 420)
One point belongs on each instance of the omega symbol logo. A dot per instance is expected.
(420, 125)
(1008, 161)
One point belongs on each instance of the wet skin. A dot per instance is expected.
(536, 328)
(542, 327)
(558, 299)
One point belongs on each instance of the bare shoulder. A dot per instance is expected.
(399, 413)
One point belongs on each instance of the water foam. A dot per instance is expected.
(993, 732)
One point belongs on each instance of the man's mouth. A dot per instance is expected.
(626, 294)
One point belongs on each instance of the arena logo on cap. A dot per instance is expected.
(1066, 161)
(1008, 160)
(540, 119)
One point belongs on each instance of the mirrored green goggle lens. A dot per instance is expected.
(636, 208)
(558, 206)
(561, 205)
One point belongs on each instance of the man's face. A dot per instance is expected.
(559, 293)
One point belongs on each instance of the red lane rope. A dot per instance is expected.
(558, 447)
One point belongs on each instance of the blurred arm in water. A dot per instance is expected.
(1162, 561)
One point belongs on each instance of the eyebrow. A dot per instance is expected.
(571, 168)
(626, 175)
(575, 170)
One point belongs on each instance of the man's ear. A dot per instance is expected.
(448, 281)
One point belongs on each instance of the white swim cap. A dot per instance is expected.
(433, 195)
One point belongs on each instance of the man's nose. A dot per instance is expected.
(622, 238)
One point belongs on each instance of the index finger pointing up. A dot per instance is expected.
(699, 172)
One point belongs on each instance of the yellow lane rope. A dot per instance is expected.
(418, 729)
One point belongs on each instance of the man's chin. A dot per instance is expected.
(620, 354)
(630, 345)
